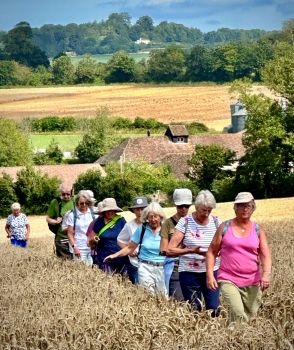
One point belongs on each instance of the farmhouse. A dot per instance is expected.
(174, 148)
(66, 172)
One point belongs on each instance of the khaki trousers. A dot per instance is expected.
(242, 302)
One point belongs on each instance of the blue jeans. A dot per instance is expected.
(19, 242)
(132, 273)
(194, 287)
(172, 279)
(168, 267)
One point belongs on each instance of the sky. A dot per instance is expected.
(205, 15)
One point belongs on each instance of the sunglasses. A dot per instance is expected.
(84, 203)
(186, 206)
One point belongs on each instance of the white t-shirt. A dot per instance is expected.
(83, 221)
(196, 235)
(125, 236)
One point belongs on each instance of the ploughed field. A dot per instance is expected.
(50, 304)
(208, 104)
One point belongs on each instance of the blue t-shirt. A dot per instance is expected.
(150, 246)
(108, 240)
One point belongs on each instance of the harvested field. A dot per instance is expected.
(206, 104)
(50, 304)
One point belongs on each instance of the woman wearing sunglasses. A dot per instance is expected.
(182, 198)
(78, 221)
(190, 242)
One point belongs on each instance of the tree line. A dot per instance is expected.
(24, 63)
(118, 33)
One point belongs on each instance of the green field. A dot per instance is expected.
(67, 142)
(138, 56)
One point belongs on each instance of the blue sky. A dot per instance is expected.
(206, 15)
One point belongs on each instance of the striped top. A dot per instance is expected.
(196, 235)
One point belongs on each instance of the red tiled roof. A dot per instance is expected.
(66, 172)
(153, 148)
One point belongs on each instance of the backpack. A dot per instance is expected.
(54, 228)
(225, 229)
(141, 238)
(75, 215)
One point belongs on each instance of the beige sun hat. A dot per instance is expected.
(243, 197)
(109, 204)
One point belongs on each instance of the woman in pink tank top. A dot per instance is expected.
(242, 246)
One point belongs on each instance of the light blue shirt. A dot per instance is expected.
(150, 245)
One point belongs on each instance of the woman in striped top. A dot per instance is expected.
(190, 241)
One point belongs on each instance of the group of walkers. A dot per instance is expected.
(190, 256)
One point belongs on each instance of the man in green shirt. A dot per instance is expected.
(56, 210)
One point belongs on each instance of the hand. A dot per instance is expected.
(211, 283)
(77, 251)
(27, 236)
(108, 258)
(58, 220)
(265, 280)
(194, 250)
(133, 255)
(93, 242)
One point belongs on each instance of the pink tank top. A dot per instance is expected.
(239, 258)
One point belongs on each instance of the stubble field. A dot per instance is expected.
(50, 304)
(208, 104)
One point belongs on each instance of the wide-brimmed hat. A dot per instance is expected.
(139, 202)
(109, 204)
(243, 197)
(182, 196)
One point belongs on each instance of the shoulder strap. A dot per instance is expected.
(141, 238)
(75, 216)
(226, 227)
(59, 201)
(173, 220)
(108, 225)
(257, 229)
(216, 222)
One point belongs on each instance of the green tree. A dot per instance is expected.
(166, 65)
(206, 164)
(63, 70)
(198, 62)
(7, 73)
(94, 141)
(266, 167)
(120, 68)
(14, 145)
(19, 46)
(278, 74)
(35, 190)
(7, 194)
(87, 70)
(92, 180)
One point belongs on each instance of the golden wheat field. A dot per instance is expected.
(50, 304)
(208, 104)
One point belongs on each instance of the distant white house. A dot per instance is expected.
(143, 41)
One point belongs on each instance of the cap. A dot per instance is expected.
(139, 202)
(243, 197)
(182, 196)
